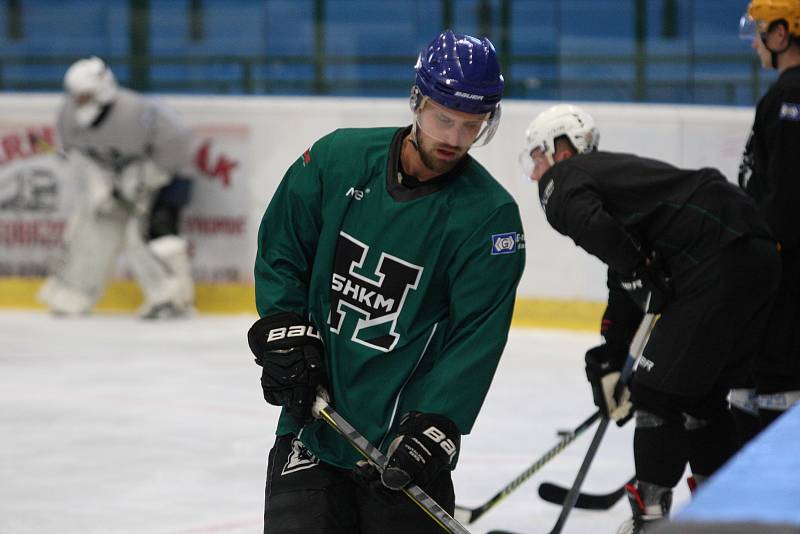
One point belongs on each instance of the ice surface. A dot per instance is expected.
(113, 425)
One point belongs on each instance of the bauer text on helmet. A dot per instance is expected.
(461, 73)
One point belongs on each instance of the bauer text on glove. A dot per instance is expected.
(426, 444)
(289, 350)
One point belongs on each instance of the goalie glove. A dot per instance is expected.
(137, 182)
(603, 369)
(426, 444)
(649, 284)
(289, 350)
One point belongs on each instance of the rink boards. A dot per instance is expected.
(123, 296)
(757, 492)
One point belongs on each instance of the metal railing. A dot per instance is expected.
(248, 75)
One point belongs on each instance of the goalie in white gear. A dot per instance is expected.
(132, 157)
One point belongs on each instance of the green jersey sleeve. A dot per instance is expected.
(483, 281)
(288, 236)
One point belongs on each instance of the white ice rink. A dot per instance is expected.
(112, 425)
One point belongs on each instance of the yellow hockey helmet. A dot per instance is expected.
(763, 12)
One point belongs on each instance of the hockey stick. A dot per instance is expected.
(324, 411)
(469, 515)
(636, 348)
(572, 496)
(556, 494)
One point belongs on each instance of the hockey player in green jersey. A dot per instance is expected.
(386, 272)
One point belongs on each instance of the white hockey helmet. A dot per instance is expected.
(562, 120)
(91, 85)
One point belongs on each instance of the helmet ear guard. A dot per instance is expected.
(415, 101)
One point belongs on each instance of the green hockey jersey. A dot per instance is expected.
(412, 289)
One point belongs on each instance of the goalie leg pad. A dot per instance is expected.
(174, 251)
(161, 268)
(64, 300)
(92, 242)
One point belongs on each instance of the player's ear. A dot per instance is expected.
(563, 149)
(563, 153)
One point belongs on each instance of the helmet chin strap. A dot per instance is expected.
(414, 135)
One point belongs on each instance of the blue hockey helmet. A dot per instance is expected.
(460, 72)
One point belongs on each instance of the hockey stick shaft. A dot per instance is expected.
(636, 349)
(556, 494)
(438, 514)
(560, 495)
(572, 496)
(469, 515)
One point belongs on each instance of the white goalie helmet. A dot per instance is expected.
(558, 121)
(91, 85)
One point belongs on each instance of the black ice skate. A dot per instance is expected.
(649, 503)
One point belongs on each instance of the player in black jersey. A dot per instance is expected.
(770, 173)
(683, 243)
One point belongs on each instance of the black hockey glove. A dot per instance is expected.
(366, 475)
(603, 368)
(425, 445)
(289, 350)
(649, 284)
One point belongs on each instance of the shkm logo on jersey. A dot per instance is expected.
(507, 243)
(378, 303)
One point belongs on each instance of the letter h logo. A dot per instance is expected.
(378, 302)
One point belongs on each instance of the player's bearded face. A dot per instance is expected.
(444, 136)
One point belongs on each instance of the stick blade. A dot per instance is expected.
(556, 494)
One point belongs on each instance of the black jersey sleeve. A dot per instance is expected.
(622, 315)
(779, 205)
(574, 207)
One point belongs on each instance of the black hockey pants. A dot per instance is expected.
(304, 495)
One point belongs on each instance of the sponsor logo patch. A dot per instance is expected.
(789, 111)
(507, 243)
